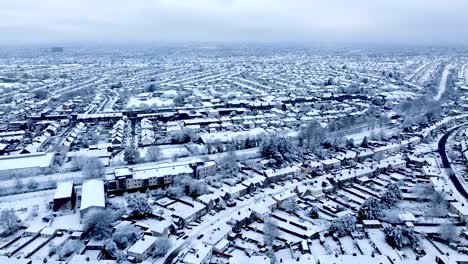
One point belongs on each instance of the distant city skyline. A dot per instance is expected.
(399, 22)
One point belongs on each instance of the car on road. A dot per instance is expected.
(231, 203)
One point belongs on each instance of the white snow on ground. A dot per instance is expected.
(8, 85)
(23, 204)
(154, 101)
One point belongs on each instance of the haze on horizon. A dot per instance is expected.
(426, 22)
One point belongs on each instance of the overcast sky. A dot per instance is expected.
(316, 21)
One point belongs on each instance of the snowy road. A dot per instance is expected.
(417, 71)
(465, 73)
(443, 83)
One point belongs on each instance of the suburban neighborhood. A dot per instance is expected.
(222, 155)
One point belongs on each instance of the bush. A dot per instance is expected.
(68, 248)
(153, 153)
(125, 236)
(370, 209)
(400, 237)
(9, 220)
(93, 168)
(138, 205)
(131, 155)
(343, 226)
(98, 223)
(314, 212)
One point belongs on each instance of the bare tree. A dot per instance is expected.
(93, 168)
(153, 153)
(270, 232)
(9, 220)
(448, 232)
(163, 245)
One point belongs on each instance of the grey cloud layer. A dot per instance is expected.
(380, 21)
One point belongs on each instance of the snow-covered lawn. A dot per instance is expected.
(32, 246)
(378, 237)
(154, 101)
(317, 249)
(332, 245)
(365, 246)
(68, 222)
(23, 205)
(348, 246)
(43, 252)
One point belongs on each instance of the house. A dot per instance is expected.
(276, 175)
(199, 254)
(148, 176)
(187, 209)
(142, 249)
(147, 137)
(161, 228)
(331, 164)
(248, 124)
(313, 167)
(65, 196)
(92, 196)
(347, 156)
(461, 209)
(364, 154)
(255, 182)
(235, 191)
(281, 198)
(263, 208)
(204, 169)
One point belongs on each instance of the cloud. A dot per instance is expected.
(328, 21)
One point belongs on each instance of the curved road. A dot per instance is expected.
(446, 163)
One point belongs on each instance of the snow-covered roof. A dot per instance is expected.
(12, 162)
(64, 190)
(161, 172)
(122, 172)
(184, 210)
(92, 194)
(282, 171)
(142, 245)
(228, 136)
